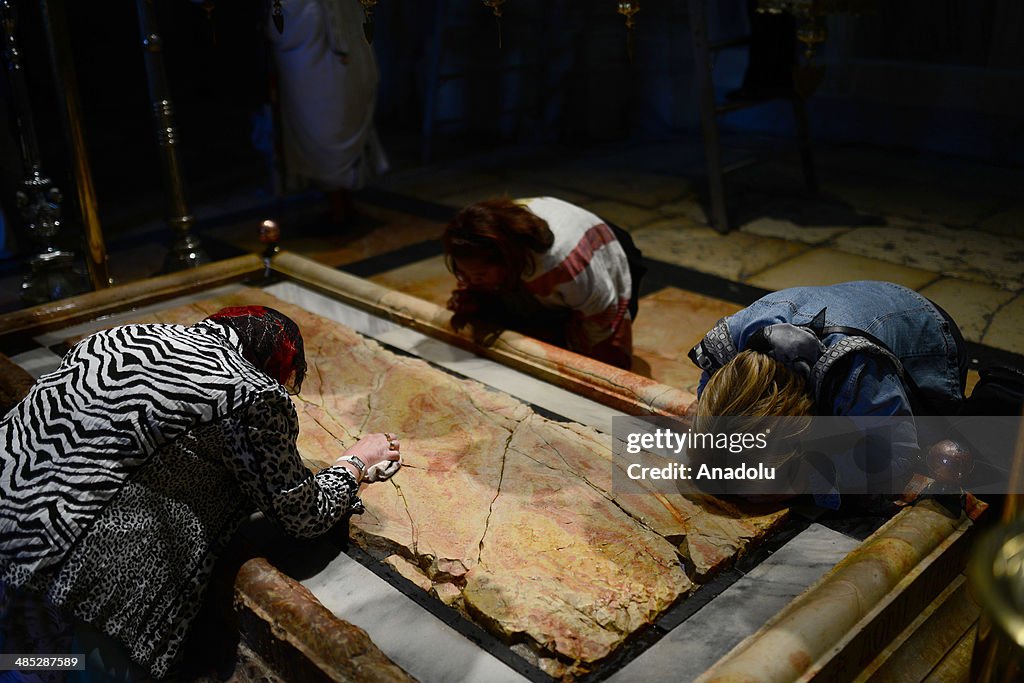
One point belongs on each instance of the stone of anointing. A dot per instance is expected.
(504, 514)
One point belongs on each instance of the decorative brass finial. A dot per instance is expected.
(270, 238)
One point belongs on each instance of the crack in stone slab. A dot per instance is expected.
(608, 496)
(497, 492)
(413, 532)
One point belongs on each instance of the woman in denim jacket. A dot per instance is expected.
(854, 349)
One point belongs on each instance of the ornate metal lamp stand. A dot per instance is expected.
(53, 272)
(186, 250)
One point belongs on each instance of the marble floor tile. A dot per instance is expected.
(689, 208)
(445, 184)
(357, 248)
(735, 256)
(829, 266)
(625, 216)
(1008, 222)
(788, 230)
(638, 188)
(766, 174)
(693, 646)
(674, 372)
(428, 279)
(377, 231)
(941, 175)
(305, 218)
(513, 189)
(916, 201)
(971, 304)
(670, 321)
(972, 378)
(1006, 331)
(977, 256)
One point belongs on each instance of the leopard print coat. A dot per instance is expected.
(139, 568)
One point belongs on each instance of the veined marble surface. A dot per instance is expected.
(526, 388)
(37, 362)
(697, 643)
(415, 639)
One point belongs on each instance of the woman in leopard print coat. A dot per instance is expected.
(126, 471)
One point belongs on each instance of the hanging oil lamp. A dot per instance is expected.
(496, 6)
(628, 8)
(277, 14)
(368, 22)
(208, 8)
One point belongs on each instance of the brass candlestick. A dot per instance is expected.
(495, 5)
(628, 8)
(186, 250)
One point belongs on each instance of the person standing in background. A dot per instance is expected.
(327, 79)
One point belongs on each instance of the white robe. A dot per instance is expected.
(328, 79)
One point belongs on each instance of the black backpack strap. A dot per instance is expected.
(999, 391)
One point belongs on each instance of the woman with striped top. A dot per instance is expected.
(549, 269)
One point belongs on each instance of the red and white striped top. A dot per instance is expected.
(584, 270)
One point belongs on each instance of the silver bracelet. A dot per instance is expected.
(359, 464)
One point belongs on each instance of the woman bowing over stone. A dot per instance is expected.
(549, 269)
(875, 351)
(125, 472)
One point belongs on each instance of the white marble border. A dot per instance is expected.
(742, 608)
(409, 634)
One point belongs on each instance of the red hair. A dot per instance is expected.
(497, 231)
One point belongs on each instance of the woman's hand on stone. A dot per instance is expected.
(380, 454)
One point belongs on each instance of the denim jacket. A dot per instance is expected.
(868, 384)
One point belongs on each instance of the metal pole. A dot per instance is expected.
(59, 42)
(186, 250)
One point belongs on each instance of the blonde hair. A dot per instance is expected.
(748, 389)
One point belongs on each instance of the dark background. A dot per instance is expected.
(929, 77)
